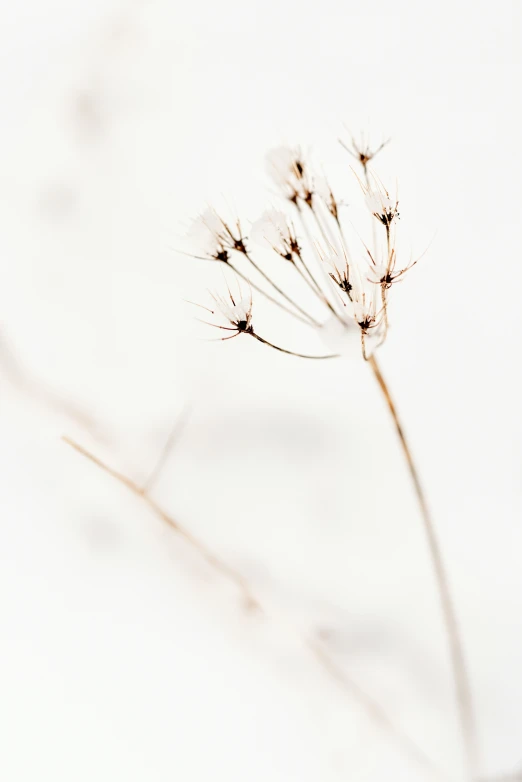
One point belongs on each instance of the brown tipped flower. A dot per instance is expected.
(214, 238)
(338, 270)
(378, 201)
(361, 151)
(289, 172)
(385, 274)
(274, 230)
(365, 310)
(324, 191)
(236, 311)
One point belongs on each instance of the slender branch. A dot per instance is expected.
(313, 284)
(154, 474)
(270, 298)
(375, 710)
(280, 291)
(289, 352)
(318, 258)
(459, 667)
(141, 492)
(374, 224)
(21, 379)
(372, 707)
(309, 280)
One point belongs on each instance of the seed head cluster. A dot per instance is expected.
(351, 285)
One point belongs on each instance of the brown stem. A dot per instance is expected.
(288, 352)
(270, 298)
(140, 491)
(280, 291)
(321, 265)
(161, 461)
(374, 223)
(384, 301)
(312, 282)
(459, 667)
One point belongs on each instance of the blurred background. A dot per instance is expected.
(124, 653)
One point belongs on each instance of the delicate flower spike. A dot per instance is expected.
(214, 237)
(339, 270)
(324, 191)
(274, 230)
(385, 274)
(365, 311)
(369, 319)
(384, 208)
(287, 169)
(236, 311)
(362, 151)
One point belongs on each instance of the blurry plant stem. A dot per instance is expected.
(141, 492)
(372, 708)
(459, 668)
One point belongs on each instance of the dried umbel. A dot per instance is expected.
(351, 286)
(338, 276)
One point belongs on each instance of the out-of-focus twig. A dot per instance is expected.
(141, 492)
(175, 432)
(370, 706)
(20, 379)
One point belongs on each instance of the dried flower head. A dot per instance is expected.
(337, 286)
(235, 311)
(362, 313)
(385, 273)
(324, 191)
(338, 270)
(289, 172)
(378, 201)
(275, 230)
(365, 311)
(362, 150)
(214, 237)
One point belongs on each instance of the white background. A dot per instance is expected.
(124, 655)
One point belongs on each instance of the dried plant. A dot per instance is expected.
(351, 286)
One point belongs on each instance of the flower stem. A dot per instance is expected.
(270, 298)
(459, 667)
(288, 352)
(281, 292)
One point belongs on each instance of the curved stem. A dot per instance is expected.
(289, 352)
(313, 284)
(280, 291)
(318, 258)
(267, 296)
(459, 667)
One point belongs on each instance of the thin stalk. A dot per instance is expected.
(384, 301)
(307, 321)
(312, 283)
(141, 491)
(280, 291)
(374, 223)
(176, 430)
(289, 352)
(321, 266)
(459, 667)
